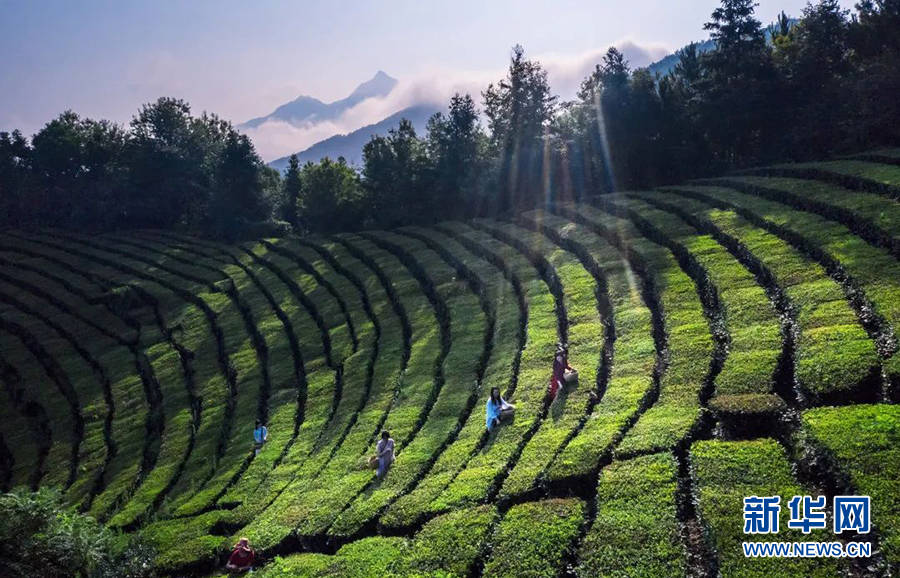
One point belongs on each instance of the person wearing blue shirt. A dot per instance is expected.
(260, 435)
(497, 409)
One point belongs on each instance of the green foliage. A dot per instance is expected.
(291, 188)
(40, 537)
(586, 333)
(450, 543)
(330, 197)
(861, 442)
(751, 319)
(634, 355)
(197, 339)
(499, 372)
(824, 317)
(453, 392)
(455, 145)
(727, 472)
(518, 109)
(534, 538)
(690, 346)
(635, 532)
(167, 169)
(478, 479)
(395, 170)
(872, 269)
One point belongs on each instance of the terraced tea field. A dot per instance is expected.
(734, 337)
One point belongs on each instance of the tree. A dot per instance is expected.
(238, 195)
(172, 164)
(75, 164)
(876, 44)
(331, 197)
(623, 117)
(738, 85)
(454, 146)
(15, 170)
(396, 171)
(519, 109)
(814, 60)
(291, 187)
(40, 537)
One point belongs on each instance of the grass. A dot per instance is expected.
(690, 346)
(636, 529)
(631, 381)
(725, 473)
(834, 355)
(585, 332)
(535, 538)
(862, 443)
(482, 474)
(501, 371)
(873, 270)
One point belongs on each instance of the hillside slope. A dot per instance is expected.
(734, 337)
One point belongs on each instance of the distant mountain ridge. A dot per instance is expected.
(350, 145)
(667, 64)
(308, 110)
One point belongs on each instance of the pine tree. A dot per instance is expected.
(291, 187)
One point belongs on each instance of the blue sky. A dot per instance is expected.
(241, 59)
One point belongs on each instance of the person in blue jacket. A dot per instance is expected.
(497, 409)
(260, 436)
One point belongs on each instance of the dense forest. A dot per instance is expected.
(825, 84)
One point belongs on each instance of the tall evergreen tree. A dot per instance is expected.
(814, 61)
(738, 85)
(519, 109)
(454, 145)
(290, 192)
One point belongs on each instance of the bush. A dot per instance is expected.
(635, 532)
(747, 414)
(534, 539)
(861, 442)
(727, 472)
(40, 537)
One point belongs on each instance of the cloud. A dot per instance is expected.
(565, 72)
(274, 139)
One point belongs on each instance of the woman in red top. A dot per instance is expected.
(560, 366)
(242, 557)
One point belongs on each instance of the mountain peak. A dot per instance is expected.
(379, 85)
(306, 109)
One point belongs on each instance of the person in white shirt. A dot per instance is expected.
(385, 453)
